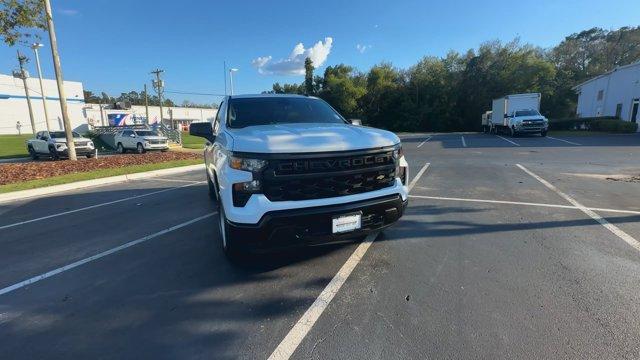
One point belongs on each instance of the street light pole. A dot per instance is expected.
(231, 71)
(35, 47)
(23, 75)
(58, 69)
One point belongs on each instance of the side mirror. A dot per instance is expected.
(506, 116)
(356, 122)
(202, 129)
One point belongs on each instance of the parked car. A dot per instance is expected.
(140, 141)
(289, 170)
(54, 145)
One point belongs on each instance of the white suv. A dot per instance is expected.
(140, 141)
(289, 170)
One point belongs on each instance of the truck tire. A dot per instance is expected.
(139, 148)
(33, 153)
(227, 237)
(53, 153)
(91, 155)
(120, 149)
(513, 132)
(543, 133)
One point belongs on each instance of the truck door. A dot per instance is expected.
(42, 143)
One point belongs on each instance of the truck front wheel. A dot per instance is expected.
(543, 133)
(513, 132)
(33, 153)
(53, 153)
(227, 236)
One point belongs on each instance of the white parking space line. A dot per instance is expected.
(566, 141)
(422, 143)
(418, 175)
(294, 337)
(609, 226)
(97, 205)
(521, 203)
(507, 140)
(62, 269)
(178, 180)
(464, 144)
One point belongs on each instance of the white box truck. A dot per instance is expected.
(486, 120)
(518, 114)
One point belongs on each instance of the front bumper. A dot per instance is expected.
(312, 226)
(164, 146)
(82, 151)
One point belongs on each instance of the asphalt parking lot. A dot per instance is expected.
(520, 247)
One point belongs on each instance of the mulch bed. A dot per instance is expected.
(33, 170)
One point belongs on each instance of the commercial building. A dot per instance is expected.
(615, 93)
(14, 111)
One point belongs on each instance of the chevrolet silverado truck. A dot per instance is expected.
(289, 170)
(54, 145)
(518, 114)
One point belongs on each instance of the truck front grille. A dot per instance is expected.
(316, 176)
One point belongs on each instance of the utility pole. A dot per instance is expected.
(23, 75)
(58, 69)
(158, 85)
(146, 102)
(35, 47)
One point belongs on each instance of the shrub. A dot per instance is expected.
(607, 124)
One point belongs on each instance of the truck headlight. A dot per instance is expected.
(90, 144)
(246, 164)
(60, 146)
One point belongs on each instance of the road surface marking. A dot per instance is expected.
(522, 203)
(505, 139)
(464, 144)
(418, 175)
(609, 226)
(567, 141)
(294, 337)
(422, 143)
(97, 205)
(177, 180)
(100, 255)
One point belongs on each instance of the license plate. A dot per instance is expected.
(346, 223)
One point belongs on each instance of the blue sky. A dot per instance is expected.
(112, 45)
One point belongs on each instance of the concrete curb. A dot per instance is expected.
(25, 194)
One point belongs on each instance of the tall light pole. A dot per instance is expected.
(35, 47)
(231, 71)
(158, 84)
(58, 69)
(22, 74)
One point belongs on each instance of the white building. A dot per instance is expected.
(615, 93)
(14, 111)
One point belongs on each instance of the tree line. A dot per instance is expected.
(138, 98)
(450, 93)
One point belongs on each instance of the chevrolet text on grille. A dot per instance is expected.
(328, 164)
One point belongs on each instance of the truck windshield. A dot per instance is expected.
(245, 112)
(527, 113)
(60, 134)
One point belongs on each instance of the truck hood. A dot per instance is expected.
(304, 138)
(75, 140)
(535, 117)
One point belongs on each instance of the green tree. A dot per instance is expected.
(20, 20)
(308, 76)
(342, 87)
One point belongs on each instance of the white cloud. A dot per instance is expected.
(294, 64)
(362, 48)
(69, 12)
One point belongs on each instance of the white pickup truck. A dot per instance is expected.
(289, 170)
(54, 145)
